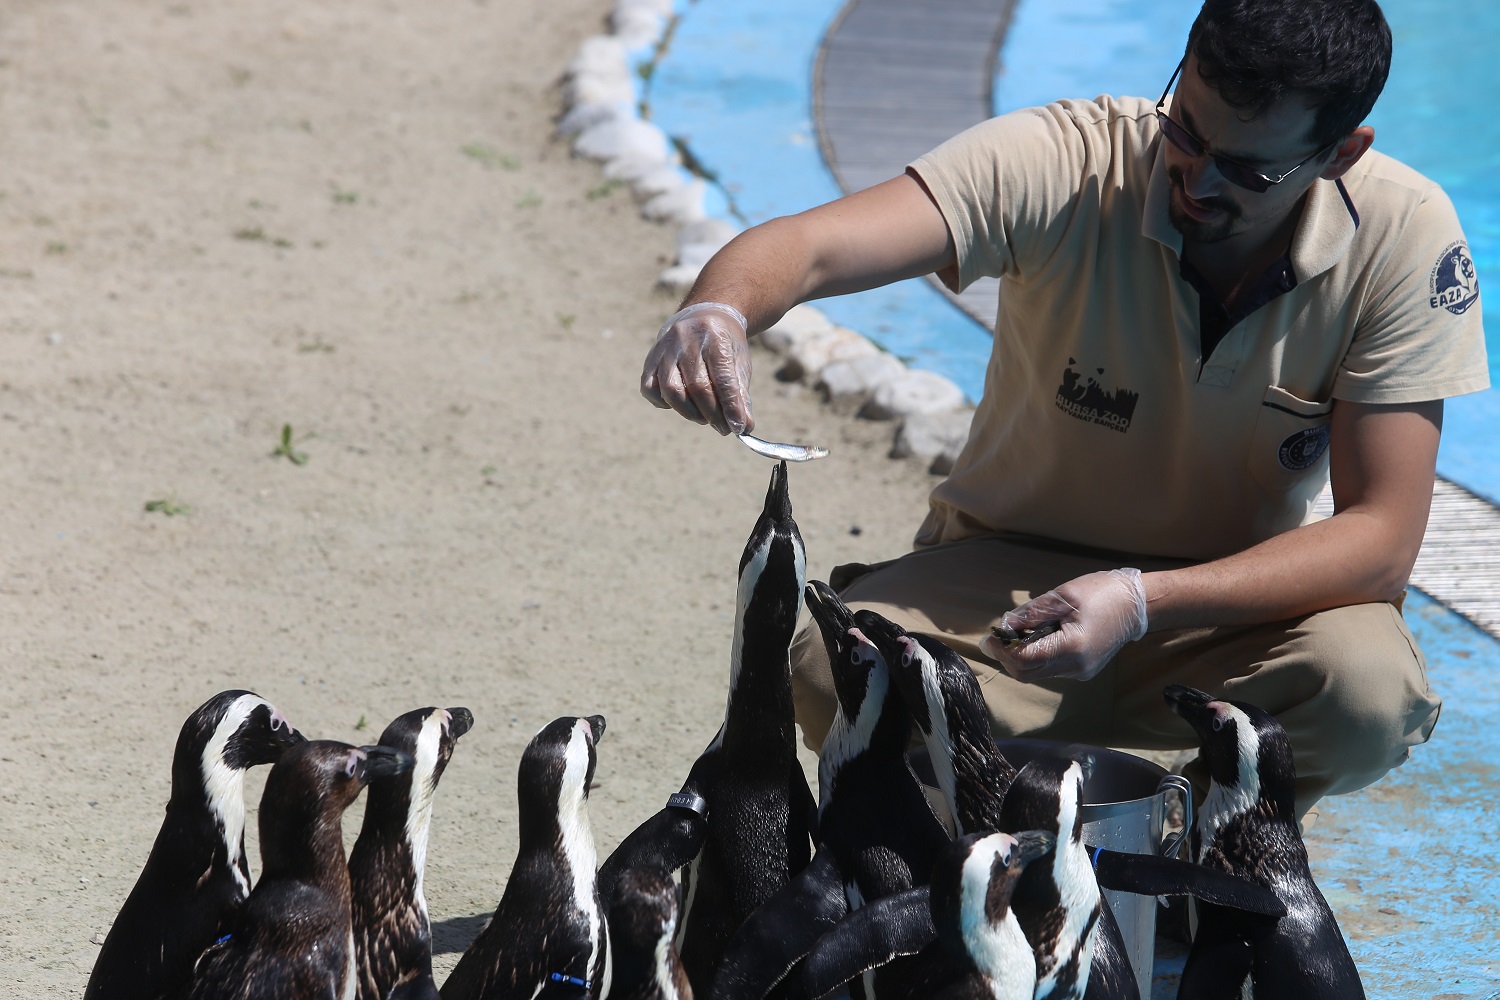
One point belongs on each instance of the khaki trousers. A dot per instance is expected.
(1348, 684)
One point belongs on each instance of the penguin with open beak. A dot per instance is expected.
(392, 933)
(1247, 827)
(293, 939)
(196, 877)
(548, 936)
(741, 826)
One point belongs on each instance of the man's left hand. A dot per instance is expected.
(1097, 614)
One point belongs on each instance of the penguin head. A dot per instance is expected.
(308, 790)
(1245, 748)
(429, 736)
(773, 566)
(972, 881)
(557, 768)
(860, 678)
(236, 730)
(642, 922)
(1047, 794)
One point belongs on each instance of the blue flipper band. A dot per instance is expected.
(558, 977)
(1094, 861)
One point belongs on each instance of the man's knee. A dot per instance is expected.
(1354, 700)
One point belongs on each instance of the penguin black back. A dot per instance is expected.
(548, 936)
(642, 924)
(743, 820)
(196, 877)
(1248, 827)
(293, 939)
(392, 934)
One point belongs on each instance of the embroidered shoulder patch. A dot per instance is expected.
(1454, 283)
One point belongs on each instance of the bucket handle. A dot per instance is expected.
(1173, 845)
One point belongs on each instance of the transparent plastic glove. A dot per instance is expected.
(1098, 614)
(700, 367)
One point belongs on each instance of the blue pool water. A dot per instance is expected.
(737, 84)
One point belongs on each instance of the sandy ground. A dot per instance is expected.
(351, 217)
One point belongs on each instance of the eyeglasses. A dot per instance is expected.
(1231, 170)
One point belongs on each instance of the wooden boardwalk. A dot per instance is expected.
(894, 78)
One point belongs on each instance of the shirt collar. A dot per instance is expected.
(1324, 233)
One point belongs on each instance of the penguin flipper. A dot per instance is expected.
(782, 930)
(871, 936)
(1152, 875)
(666, 841)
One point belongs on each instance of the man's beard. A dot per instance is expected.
(1194, 230)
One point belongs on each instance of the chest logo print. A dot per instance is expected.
(1083, 397)
(1454, 283)
(1301, 450)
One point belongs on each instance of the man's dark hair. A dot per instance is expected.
(1333, 55)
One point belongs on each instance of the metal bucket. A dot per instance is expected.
(1124, 809)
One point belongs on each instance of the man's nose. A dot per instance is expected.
(1201, 178)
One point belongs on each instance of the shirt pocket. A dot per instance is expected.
(1290, 444)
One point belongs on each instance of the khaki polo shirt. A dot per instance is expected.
(1100, 424)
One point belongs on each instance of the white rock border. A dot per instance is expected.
(600, 89)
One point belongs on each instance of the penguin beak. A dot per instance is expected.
(833, 617)
(596, 728)
(1030, 845)
(778, 505)
(460, 721)
(385, 762)
(1189, 703)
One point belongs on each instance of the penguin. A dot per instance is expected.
(548, 936)
(392, 935)
(946, 704)
(197, 876)
(642, 924)
(1079, 950)
(1248, 826)
(293, 939)
(966, 906)
(743, 820)
(972, 885)
(943, 696)
(877, 833)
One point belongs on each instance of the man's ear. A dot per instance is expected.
(1348, 151)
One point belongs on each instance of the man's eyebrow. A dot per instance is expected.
(1247, 159)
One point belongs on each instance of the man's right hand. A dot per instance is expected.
(700, 367)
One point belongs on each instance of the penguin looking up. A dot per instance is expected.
(743, 821)
(293, 939)
(877, 834)
(547, 937)
(1078, 946)
(943, 697)
(1248, 827)
(197, 876)
(642, 924)
(392, 934)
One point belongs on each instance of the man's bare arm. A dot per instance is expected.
(1382, 463)
(700, 366)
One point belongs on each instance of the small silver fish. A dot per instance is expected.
(784, 452)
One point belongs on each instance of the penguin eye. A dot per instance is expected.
(352, 765)
(1218, 723)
